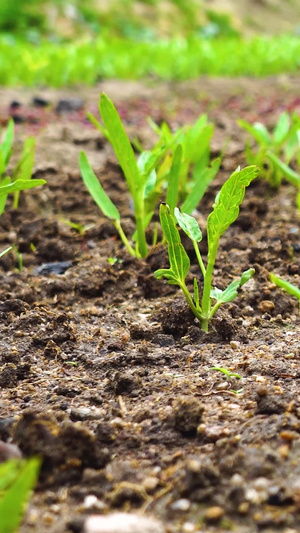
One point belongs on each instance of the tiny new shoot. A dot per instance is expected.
(286, 286)
(225, 212)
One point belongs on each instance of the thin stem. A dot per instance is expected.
(201, 264)
(124, 239)
(205, 304)
(189, 300)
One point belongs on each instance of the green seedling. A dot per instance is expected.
(225, 212)
(145, 178)
(114, 260)
(229, 375)
(226, 372)
(77, 226)
(162, 171)
(17, 479)
(286, 286)
(21, 175)
(274, 150)
(196, 172)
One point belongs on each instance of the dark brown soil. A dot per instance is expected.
(104, 372)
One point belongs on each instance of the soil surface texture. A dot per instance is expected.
(105, 373)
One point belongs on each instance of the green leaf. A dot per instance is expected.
(289, 174)
(281, 129)
(20, 185)
(97, 125)
(288, 287)
(24, 167)
(258, 131)
(231, 292)
(173, 182)
(226, 208)
(17, 495)
(96, 190)
(121, 145)
(201, 183)
(6, 145)
(179, 260)
(3, 198)
(189, 225)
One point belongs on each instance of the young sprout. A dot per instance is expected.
(276, 149)
(160, 172)
(225, 212)
(228, 376)
(226, 372)
(286, 286)
(21, 175)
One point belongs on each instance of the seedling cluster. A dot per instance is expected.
(178, 170)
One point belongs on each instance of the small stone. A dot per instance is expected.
(252, 496)
(188, 527)
(9, 451)
(261, 484)
(125, 522)
(150, 483)
(235, 345)
(213, 514)
(284, 451)
(289, 436)
(244, 507)
(214, 433)
(181, 505)
(236, 480)
(91, 502)
(266, 306)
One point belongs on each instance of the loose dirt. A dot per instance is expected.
(104, 372)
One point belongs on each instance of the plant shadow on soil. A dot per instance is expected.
(104, 372)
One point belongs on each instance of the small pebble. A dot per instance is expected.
(244, 507)
(122, 522)
(150, 483)
(181, 505)
(212, 514)
(9, 451)
(266, 306)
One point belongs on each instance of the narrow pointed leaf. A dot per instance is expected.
(289, 174)
(6, 145)
(282, 128)
(173, 184)
(96, 190)
(179, 260)
(121, 144)
(20, 185)
(202, 182)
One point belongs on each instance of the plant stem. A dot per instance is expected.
(205, 303)
(201, 264)
(189, 300)
(124, 239)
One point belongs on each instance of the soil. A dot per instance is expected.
(105, 373)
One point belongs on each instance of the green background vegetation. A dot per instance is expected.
(62, 42)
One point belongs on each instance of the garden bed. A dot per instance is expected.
(104, 371)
